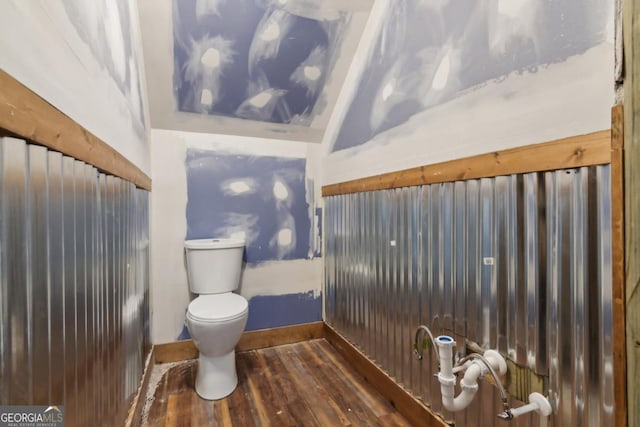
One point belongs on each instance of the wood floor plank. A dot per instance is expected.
(348, 400)
(184, 408)
(221, 413)
(240, 405)
(308, 388)
(302, 413)
(280, 379)
(261, 395)
(302, 384)
(378, 404)
(172, 416)
(394, 419)
(353, 404)
(271, 394)
(341, 406)
(202, 413)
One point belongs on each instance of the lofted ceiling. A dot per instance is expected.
(263, 68)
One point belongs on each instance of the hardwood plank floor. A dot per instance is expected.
(303, 384)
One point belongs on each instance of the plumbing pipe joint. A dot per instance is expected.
(497, 362)
(537, 403)
(473, 370)
(469, 386)
(446, 381)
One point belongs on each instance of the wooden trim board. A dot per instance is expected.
(411, 408)
(576, 151)
(631, 67)
(264, 338)
(250, 340)
(27, 115)
(175, 351)
(618, 265)
(134, 417)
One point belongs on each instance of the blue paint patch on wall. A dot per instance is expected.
(466, 44)
(184, 334)
(251, 59)
(258, 198)
(282, 310)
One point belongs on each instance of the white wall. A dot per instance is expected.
(169, 287)
(84, 58)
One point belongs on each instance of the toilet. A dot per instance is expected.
(217, 317)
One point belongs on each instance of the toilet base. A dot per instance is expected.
(217, 376)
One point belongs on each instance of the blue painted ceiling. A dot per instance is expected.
(273, 68)
(253, 59)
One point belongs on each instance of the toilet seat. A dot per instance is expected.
(217, 307)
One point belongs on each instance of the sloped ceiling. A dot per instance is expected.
(263, 68)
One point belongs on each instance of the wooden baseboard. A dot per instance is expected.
(134, 417)
(175, 351)
(411, 408)
(264, 338)
(251, 340)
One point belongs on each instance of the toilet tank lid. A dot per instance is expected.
(213, 243)
(218, 307)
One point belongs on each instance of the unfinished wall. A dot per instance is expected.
(74, 262)
(520, 263)
(221, 186)
(84, 58)
(480, 77)
(74, 306)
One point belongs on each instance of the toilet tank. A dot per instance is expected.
(213, 265)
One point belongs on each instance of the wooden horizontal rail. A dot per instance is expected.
(618, 265)
(25, 114)
(576, 151)
(250, 340)
(263, 338)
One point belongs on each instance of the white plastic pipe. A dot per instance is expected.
(447, 380)
(469, 383)
(446, 344)
(538, 403)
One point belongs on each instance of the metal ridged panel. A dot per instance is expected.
(73, 285)
(56, 275)
(520, 263)
(39, 271)
(17, 375)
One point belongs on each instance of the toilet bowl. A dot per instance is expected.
(216, 323)
(217, 317)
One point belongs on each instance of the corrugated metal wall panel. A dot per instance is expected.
(73, 285)
(520, 263)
